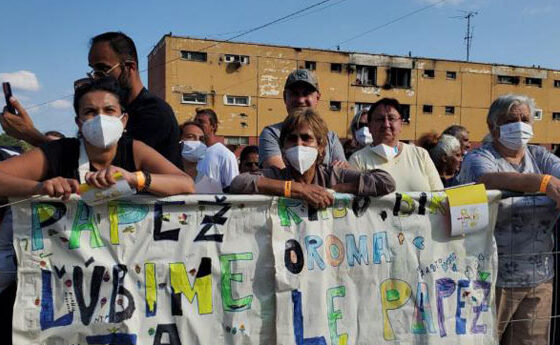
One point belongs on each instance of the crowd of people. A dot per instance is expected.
(122, 128)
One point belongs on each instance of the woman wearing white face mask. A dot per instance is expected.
(409, 165)
(525, 226)
(303, 139)
(57, 167)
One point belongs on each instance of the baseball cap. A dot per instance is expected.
(302, 76)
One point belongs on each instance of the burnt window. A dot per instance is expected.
(451, 75)
(508, 79)
(556, 116)
(366, 75)
(311, 65)
(400, 77)
(429, 73)
(335, 105)
(427, 108)
(533, 81)
(449, 110)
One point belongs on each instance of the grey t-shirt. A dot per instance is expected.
(269, 145)
(525, 225)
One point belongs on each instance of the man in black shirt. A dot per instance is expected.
(150, 119)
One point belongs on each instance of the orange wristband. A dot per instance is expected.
(288, 189)
(544, 183)
(140, 180)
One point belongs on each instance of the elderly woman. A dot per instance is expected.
(446, 153)
(57, 167)
(303, 141)
(360, 134)
(524, 229)
(410, 166)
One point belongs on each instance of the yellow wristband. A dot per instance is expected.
(544, 183)
(140, 180)
(288, 189)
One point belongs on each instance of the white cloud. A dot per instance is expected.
(61, 104)
(22, 80)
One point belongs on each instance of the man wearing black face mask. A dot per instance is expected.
(151, 119)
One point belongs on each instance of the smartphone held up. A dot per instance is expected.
(8, 93)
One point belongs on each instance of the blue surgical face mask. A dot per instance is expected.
(193, 151)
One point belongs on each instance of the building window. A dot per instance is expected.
(451, 75)
(358, 107)
(508, 79)
(449, 110)
(237, 100)
(336, 67)
(366, 75)
(335, 105)
(311, 65)
(405, 113)
(236, 140)
(427, 108)
(557, 83)
(538, 114)
(556, 116)
(194, 56)
(533, 81)
(429, 73)
(400, 77)
(241, 59)
(194, 98)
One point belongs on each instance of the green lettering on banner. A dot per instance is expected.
(84, 220)
(285, 213)
(333, 315)
(228, 302)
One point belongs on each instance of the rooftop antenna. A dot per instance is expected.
(468, 15)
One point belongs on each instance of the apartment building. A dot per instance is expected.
(243, 83)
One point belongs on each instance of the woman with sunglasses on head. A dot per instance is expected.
(56, 168)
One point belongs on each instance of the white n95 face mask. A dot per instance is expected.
(515, 135)
(385, 151)
(103, 131)
(363, 136)
(301, 158)
(193, 151)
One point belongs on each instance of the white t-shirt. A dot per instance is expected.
(413, 169)
(219, 163)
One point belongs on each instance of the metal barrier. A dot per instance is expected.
(526, 213)
(532, 229)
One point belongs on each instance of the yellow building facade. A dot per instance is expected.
(244, 82)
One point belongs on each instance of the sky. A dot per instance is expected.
(45, 43)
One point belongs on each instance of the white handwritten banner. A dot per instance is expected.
(251, 270)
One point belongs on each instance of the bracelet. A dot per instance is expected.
(140, 180)
(148, 180)
(288, 189)
(544, 183)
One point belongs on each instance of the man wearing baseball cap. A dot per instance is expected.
(301, 90)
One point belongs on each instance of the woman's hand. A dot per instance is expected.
(316, 196)
(105, 178)
(58, 187)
